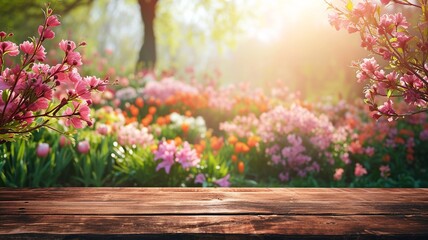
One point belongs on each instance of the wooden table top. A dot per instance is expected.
(189, 213)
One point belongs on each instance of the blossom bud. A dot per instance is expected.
(83, 147)
(42, 150)
(2, 34)
(64, 141)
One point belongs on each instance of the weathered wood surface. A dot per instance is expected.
(190, 213)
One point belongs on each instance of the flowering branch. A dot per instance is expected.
(389, 37)
(28, 89)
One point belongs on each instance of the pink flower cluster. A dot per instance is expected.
(166, 88)
(28, 88)
(294, 137)
(169, 154)
(389, 36)
(281, 121)
(131, 134)
(241, 126)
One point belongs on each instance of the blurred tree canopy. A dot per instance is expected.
(18, 16)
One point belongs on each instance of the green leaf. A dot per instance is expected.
(389, 93)
(5, 95)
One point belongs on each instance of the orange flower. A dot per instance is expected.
(241, 167)
(200, 147)
(407, 132)
(386, 158)
(399, 140)
(152, 110)
(171, 100)
(185, 127)
(139, 102)
(188, 113)
(234, 158)
(134, 110)
(178, 141)
(232, 139)
(216, 143)
(241, 147)
(147, 120)
(167, 119)
(160, 121)
(154, 147)
(152, 100)
(253, 141)
(130, 120)
(158, 102)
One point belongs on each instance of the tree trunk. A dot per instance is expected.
(147, 57)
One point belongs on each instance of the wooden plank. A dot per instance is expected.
(287, 194)
(128, 201)
(185, 211)
(216, 224)
(214, 206)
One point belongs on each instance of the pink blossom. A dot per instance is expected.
(82, 90)
(64, 141)
(39, 104)
(42, 150)
(387, 109)
(386, 54)
(401, 21)
(83, 147)
(72, 119)
(359, 170)
(368, 42)
(103, 129)
(284, 177)
(166, 153)
(364, 9)
(369, 65)
(67, 45)
(131, 134)
(369, 151)
(335, 20)
(52, 21)
(424, 135)
(223, 182)
(74, 76)
(338, 174)
(28, 117)
(385, 1)
(85, 113)
(187, 157)
(9, 48)
(200, 178)
(95, 83)
(74, 59)
(27, 47)
(384, 171)
(345, 158)
(402, 40)
(46, 32)
(386, 24)
(41, 54)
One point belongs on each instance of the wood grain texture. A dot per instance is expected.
(240, 212)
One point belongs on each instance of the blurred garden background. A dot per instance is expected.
(211, 93)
